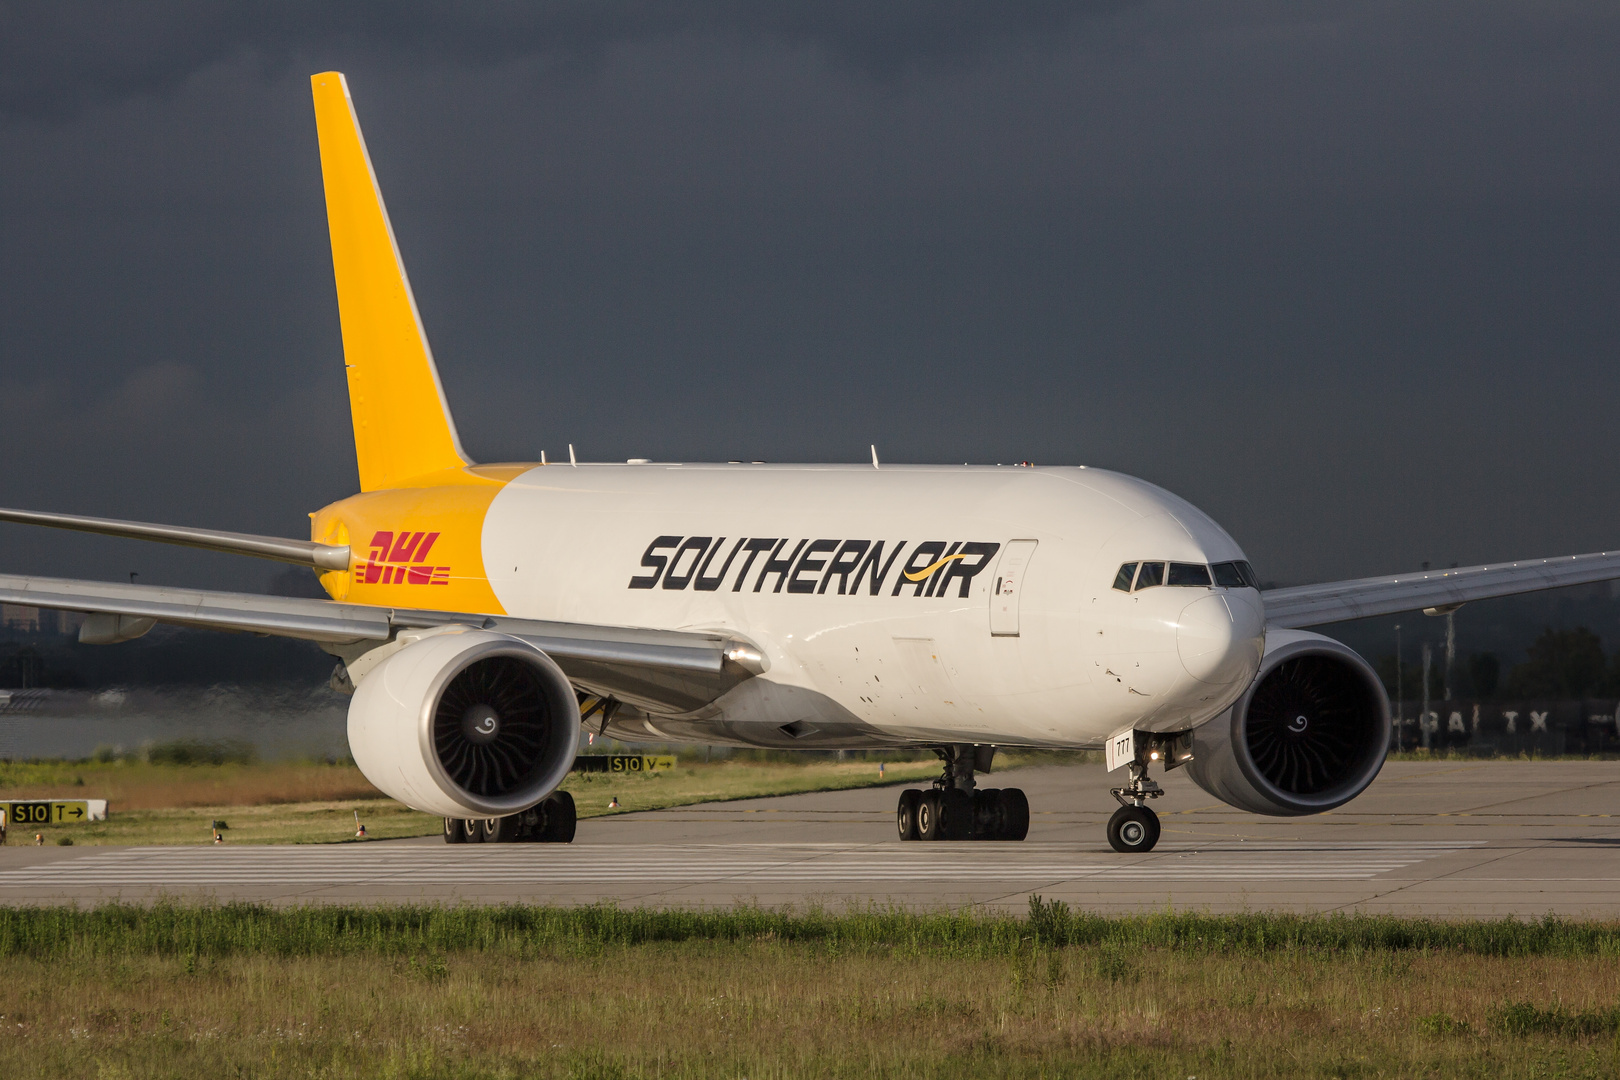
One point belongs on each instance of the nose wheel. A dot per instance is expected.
(1133, 828)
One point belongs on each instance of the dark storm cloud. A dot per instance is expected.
(1344, 274)
(55, 57)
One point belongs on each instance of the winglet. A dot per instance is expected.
(402, 426)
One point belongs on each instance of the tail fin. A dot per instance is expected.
(402, 426)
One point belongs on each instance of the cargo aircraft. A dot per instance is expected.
(484, 614)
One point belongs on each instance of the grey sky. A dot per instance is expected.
(1345, 275)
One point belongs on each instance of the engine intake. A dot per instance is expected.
(1309, 734)
(465, 724)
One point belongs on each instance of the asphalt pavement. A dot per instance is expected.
(1451, 839)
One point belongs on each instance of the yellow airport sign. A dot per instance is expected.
(624, 763)
(53, 811)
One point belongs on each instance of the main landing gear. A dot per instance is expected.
(552, 822)
(954, 809)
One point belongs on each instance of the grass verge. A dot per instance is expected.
(602, 992)
(314, 803)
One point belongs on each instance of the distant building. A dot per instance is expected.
(34, 620)
(17, 617)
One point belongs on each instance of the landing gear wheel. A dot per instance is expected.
(1015, 815)
(929, 817)
(453, 831)
(1133, 829)
(558, 820)
(987, 814)
(498, 830)
(956, 814)
(471, 833)
(905, 815)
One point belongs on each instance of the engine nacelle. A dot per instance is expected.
(1309, 734)
(465, 724)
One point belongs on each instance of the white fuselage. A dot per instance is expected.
(1024, 642)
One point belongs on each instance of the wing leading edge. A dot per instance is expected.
(1337, 601)
(664, 671)
(301, 552)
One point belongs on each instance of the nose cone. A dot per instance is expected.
(1220, 638)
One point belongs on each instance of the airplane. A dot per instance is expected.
(483, 615)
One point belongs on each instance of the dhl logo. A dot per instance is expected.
(401, 559)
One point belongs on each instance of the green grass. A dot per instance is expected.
(302, 803)
(246, 990)
(518, 930)
(318, 822)
(724, 781)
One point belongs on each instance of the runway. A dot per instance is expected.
(1444, 839)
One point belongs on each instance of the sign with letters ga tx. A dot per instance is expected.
(53, 811)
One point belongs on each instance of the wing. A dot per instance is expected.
(1435, 591)
(663, 671)
(302, 552)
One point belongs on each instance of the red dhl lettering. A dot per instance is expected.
(386, 574)
(398, 559)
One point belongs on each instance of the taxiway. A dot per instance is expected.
(1450, 839)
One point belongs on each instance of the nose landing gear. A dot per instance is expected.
(1134, 827)
(954, 809)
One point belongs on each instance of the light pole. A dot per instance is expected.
(1400, 689)
(1423, 715)
(1451, 648)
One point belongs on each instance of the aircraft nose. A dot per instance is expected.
(1220, 638)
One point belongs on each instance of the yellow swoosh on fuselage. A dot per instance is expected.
(925, 571)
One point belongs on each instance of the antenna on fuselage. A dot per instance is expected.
(542, 457)
(571, 460)
(875, 464)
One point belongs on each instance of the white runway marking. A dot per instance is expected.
(738, 864)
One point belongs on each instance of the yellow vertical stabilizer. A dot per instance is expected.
(402, 427)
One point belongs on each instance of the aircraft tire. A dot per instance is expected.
(471, 832)
(454, 833)
(929, 817)
(498, 830)
(987, 814)
(559, 819)
(1133, 829)
(956, 814)
(905, 814)
(1014, 814)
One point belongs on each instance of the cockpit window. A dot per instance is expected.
(1228, 575)
(1183, 573)
(1151, 574)
(1235, 575)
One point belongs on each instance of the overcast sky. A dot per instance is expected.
(1345, 275)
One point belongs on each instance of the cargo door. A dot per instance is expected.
(1008, 586)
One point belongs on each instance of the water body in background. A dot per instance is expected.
(280, 723)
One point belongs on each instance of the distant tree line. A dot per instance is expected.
(168, 656)
(1560, 664)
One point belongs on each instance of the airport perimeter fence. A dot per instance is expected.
(1510, 728)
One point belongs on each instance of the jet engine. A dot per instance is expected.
(1309, 734)
(465, 724)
